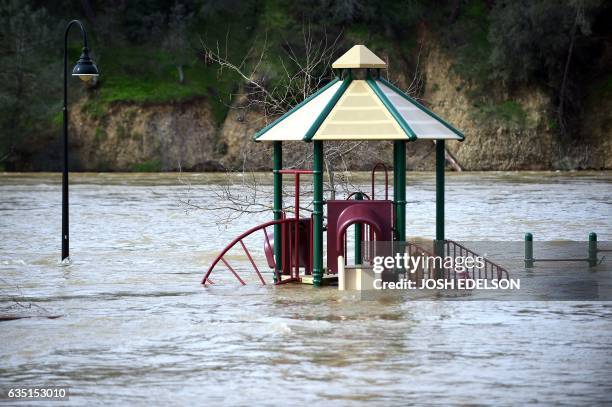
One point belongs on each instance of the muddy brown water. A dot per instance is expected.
(136, 327)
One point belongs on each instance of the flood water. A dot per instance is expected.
(135, 326)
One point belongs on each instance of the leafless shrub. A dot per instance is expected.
(303, 73)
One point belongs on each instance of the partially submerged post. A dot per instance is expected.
(592, 249)
(317, 215)
(440, 162)
(278, 204)
(439, 242)
(528, 250)
(591, 258)
(85, 69)
(399, 195)
(358, 234)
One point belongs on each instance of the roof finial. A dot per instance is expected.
(359, 57)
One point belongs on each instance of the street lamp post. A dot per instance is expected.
(85, 69)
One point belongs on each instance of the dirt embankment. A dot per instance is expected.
(131, 137)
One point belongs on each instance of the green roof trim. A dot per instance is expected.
(423, 108)
(396, 115)
(294, 109)
(328, 108)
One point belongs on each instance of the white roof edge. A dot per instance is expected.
(295, 126)
(424, 123)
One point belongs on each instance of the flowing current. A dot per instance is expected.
(132, 324)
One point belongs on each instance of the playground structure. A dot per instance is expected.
(350, 109)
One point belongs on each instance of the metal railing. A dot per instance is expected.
(439, 268)
(496, 271)
(239, 240)
(386, 170)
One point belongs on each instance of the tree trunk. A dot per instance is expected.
(452, 160)
(330, 178)
(570, 51)
(181, 74)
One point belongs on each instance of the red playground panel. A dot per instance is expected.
(288, 250)
(342, 214)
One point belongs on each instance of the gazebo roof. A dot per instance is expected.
(370, 109)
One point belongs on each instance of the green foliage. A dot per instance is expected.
(599, 90)
(58, 118)
(396, 15)
(143, 72)
(144, 76)
(602, 87)
(176, 42)
(100, 135)
(93, 109)
(517, 42)
(531, 39)
(274, 16)
(148, 166)
(510, 43)
(103, 166)
(144, 47)
(361, 33)
(607, 87)
(149, 77)
(27, 74)
(508, 112)
(553, 124)
(122, 132)
(375, 23)
(467, 41)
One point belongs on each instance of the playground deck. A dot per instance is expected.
(327, 279)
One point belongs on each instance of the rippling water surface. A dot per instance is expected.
(134, 325)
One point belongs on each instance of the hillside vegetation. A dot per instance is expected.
(529, 82)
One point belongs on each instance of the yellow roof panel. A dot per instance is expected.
(359, 115)
(359, 57)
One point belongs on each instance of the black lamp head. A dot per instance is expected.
(85, 67)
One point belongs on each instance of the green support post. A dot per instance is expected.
(528, 250)
(358, 234)
(317, 239)
(278, 205)
(399, 192)
(440, 163)
(592, 249)
(395, 177)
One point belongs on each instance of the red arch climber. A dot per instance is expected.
(342, 214)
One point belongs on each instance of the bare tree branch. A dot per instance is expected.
(304, 71)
